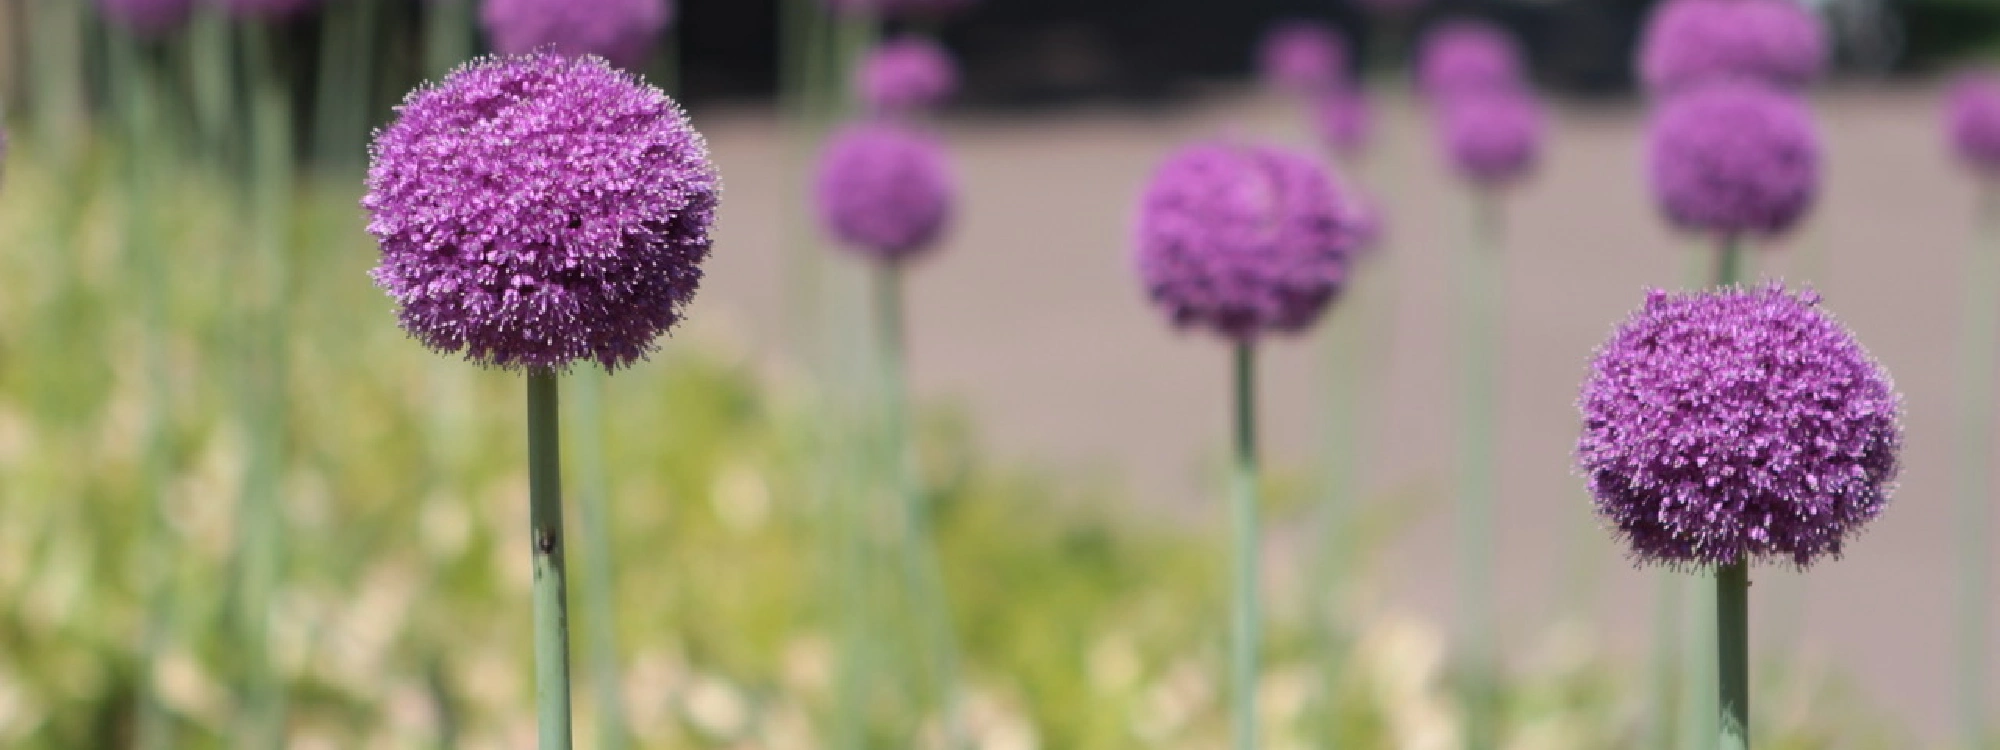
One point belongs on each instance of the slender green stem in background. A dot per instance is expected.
(208, 46)
(545, 540)
(586, 415)
(1732, 649)
(447, 35)
(346, 65)
(1245, 640)
(1729, 262)
(57, 66)
(1977, 375)
(1481, 312)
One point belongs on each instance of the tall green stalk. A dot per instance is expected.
(1245, 642)
(545, 539)
(1481, 311)
(1977, 375)
(1732, 595)
(346, 64)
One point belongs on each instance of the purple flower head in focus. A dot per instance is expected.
(1734, 425)
(1734, 159)
(885, 190)
(146, 18)
(1342, 117)
(267, 10)
(906, 75)
(1244, 240)
(1303, 56)
(539, 211)
(622, 31)
(1972, 121)
(1690, 43)
(1468, 56)
(1493, 138)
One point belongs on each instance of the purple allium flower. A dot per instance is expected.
(1734, 159)
(1341, 117)
(1243, 240)
(1303, 56)
(1493, 138)
(541, 210)
(885, 190)
(1695, 42)
(267, 10)
(146, 18)
(1461, 56)
(1729, 425)
(1972, 121)
(622, 31)
(906, 75)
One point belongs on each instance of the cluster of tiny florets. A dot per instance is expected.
(1731, 425)
(906, 75)
(1493, 138)
(1690, 43)
(885, 190)
(538, 211)
(622, 31)
(1734, 160)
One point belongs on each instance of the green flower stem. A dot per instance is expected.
(1481, 310)
(1732, 594)
(447, 35)
(1975, 414)
(346, 59)
(208, 47)
(1245, 623)
(545, 540)
(586, 415)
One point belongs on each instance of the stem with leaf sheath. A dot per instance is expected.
(1480, 292)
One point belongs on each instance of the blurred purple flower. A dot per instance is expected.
(1244, 240)
(622, 31)
(1972, 121)
(1734, 159)
(1493, 138)
(1467, 56)
(267, 10)
(1689, 43)
(539, 211)
(906, 75)
(1341, 116)
(146, 18)
(885, 190)
(1303, 56)
(1736, 425)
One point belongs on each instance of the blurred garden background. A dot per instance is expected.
(239, 507)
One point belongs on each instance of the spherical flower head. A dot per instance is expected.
(1732, 426)
(1972, 122)
(1243, 240)
(1342, 118)
(906, 75)
(146, 18)
(538, 211)
(1493, 138)
(1691, 43)
(267, 10)
(1303, 56)
(1734, 159)
(621, 31)
(1468, 56)
(885, 190)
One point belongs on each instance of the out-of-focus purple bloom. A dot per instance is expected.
(1303, 56)
(1972, 121)
(146, 18)
(1243, 240)
(898, 8)
(1468, 56)
(1493, 138)
(1734, 159)
(1342, 119)
(1690, 43)
(267, 10)
(539, 211)
(622, 31)
(1730, 426)
(906, 75)
(885, 190)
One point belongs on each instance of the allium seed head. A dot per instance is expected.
(1734, 159)
(1303, 56)
(622, 31)
(1493, 138)
(146, 18)
(538, 211)
(1244, 240)
(885, 190)
(906, 75)
(1732, 426)
(1468, 56)
(1972, 121)
(1341, 116)
(1691, 43)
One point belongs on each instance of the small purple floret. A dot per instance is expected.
(885, 191)
(1468, 56)
(1342, 118)
(1244, 240)
(622, 31)
(1493, 138)
(539, 211)
(1734, 159)
(146, 18)
(1691, 43)
(1304, 57)
(1972, 121)
(906, 75)
(1732, 426)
